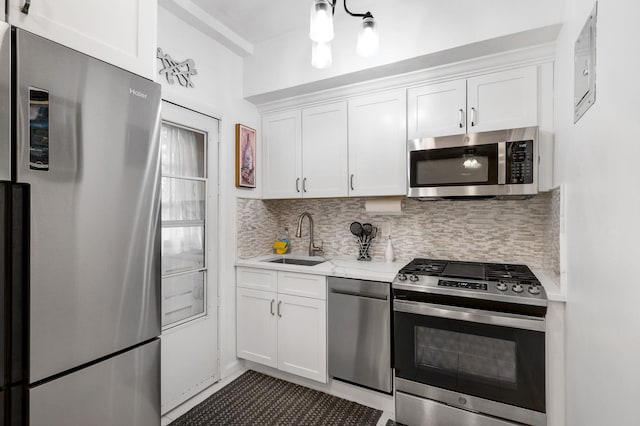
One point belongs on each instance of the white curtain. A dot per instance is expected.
(183, 199)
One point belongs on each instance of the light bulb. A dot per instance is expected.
(368, 37)
(320, 55)
(321, 21)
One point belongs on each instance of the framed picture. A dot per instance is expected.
(245, 157)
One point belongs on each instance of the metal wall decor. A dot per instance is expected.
(174, 70)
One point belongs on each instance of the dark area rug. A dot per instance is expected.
(258, 399)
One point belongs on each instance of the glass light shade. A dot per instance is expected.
(320, 55)
(368, 38)
(321, 21)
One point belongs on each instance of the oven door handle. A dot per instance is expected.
(472, 315)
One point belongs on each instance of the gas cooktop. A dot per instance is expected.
(492, 281)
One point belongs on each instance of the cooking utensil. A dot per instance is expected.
(356, 229)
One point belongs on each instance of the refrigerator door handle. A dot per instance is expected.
(19, 289)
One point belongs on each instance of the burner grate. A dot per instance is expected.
(497, 272)
(424, 267)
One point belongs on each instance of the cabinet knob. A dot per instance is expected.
(351, 181)
(271, 307)
(461, 118)
(473, 116)
(279, 303)
(25, 7)
(298, 185)
(304, 185)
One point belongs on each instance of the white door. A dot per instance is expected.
(503, 100)
(324, 150)
(302, 336)
(378, 144)
(257, 326)
(437, 109)
(282, 157)
(120, 32)
(189, 156)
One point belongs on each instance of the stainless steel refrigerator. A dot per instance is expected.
(79, 235)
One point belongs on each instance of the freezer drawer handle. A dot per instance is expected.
(25, 7)
(358, 294)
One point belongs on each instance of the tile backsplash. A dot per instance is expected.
(510, 231)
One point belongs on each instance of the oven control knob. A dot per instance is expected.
(517, 288)
(502, 286)
(534, 289)
(413, 278)
(402, 277)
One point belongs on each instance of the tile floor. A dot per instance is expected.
(188, 405)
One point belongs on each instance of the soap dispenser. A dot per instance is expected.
(388, 252)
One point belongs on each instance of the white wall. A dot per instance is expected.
(597, 160)
(217, 92)
(408, 29)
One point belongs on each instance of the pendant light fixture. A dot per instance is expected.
(321, 32)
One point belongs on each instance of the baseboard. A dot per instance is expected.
(232, 368)
(373, 399)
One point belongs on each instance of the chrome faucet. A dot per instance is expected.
(313, 249)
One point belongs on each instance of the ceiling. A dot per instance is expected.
(258, 20)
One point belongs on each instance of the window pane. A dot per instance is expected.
(182, 248)
(182, 297)
(182, 151)
(183, 200)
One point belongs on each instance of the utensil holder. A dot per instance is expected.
(364, 242)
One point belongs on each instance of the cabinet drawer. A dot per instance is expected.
(313, 286)
(259, 279)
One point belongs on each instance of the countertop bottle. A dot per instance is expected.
(388, 251)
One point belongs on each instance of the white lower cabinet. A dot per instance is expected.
(284, 331)
(302, 336)
(257, 326)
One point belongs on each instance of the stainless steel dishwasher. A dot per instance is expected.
(360, 332)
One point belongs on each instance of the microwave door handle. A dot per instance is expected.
(502, 163)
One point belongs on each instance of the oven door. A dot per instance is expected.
(493, 356)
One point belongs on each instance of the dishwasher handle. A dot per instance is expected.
(364, 295)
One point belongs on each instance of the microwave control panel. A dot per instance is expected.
(520, 162)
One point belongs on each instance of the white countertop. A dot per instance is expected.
(344, 267)
(554, 292)
(348, 267)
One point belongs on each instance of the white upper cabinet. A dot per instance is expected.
(120, 32)
(503, 100)
(305, 152)
(377, 144)
(324, 150)
(282, 154)
(495, 101)
(437, 109)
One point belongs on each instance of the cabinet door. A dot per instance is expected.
(437, 109)
(302, 337)
(324, 150)
(257, 326)
(503, 100)
(120, 32)
(378, 144)
(282, 158)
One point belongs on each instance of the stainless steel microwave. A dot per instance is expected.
(501, 163)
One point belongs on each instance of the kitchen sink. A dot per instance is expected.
(294, 261)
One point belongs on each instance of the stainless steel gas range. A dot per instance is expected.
(469, 344)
